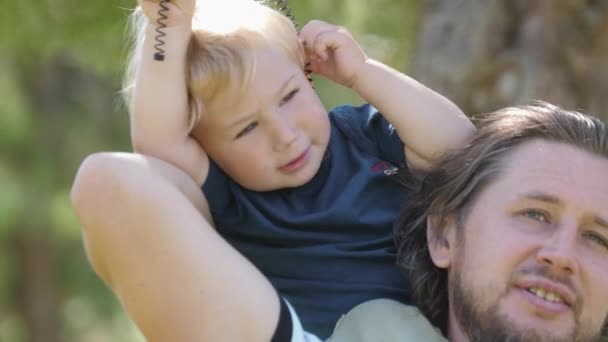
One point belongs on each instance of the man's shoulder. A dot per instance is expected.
(385, 320)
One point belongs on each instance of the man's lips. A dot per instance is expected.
(548, 291)
(298, 162)
(542, 306)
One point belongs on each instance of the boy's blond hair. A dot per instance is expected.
(226, 34)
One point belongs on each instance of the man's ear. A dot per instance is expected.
(441, 238)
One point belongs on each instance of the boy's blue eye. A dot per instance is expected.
(246, 130)
(289, 96)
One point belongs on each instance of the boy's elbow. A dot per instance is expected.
(150, 140)
(163, 149)
(457, 133)
(140, 146)
(466, 133)
(140, 143)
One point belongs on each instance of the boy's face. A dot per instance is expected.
(272, 136)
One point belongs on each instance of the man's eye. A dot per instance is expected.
(535, 215)
(246, 130)
(289, 96)
(600, 240)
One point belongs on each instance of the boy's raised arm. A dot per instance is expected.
(428, 123)
(159, 112)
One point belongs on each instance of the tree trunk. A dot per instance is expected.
(38, 302)
(488, 54)
(60, 94)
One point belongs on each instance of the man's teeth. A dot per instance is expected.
(546, 295)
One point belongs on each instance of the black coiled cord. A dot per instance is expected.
(159, 55)
(281, 6)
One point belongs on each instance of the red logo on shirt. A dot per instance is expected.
(385, 168)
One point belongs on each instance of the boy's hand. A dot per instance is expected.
(180, 11)
(332, 52)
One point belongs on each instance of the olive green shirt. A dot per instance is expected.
(385, 320)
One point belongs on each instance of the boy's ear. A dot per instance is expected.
(307, 69)
(441, 239)
(308, 74)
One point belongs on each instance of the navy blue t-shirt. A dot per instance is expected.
(328, 245)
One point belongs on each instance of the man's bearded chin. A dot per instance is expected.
(487, 324)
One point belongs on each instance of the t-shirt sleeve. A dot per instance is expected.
(370, 131)
(217, 189)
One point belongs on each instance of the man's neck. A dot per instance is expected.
(455, 333)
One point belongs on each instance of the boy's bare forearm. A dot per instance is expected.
(428, 123)
(159, 110)
(159, 107)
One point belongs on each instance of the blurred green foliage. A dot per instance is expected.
(61, 66)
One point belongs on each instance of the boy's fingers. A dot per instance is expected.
(310, 31)
(309, 51)
(323, 41)
(316, 65)
(317, 37)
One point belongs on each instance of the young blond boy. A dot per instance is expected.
(304, 201)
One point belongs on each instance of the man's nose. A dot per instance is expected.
(559, 251)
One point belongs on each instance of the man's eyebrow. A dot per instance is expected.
(554, 200)
(601, 222)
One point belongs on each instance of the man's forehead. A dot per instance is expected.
(552, 159)
(555, 170)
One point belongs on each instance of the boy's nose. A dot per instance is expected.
(283, 135)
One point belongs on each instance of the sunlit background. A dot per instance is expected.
(60, 72)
